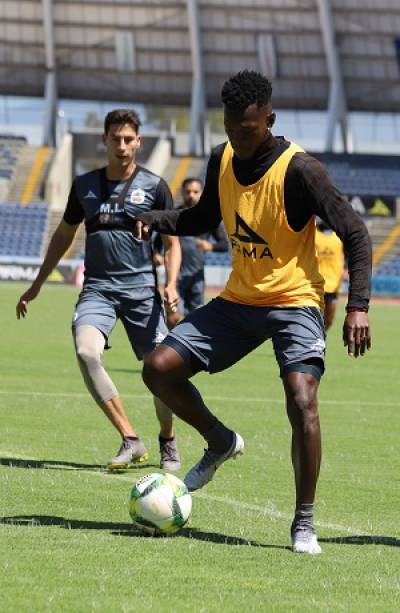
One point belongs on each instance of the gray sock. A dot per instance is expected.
(219, 437)
(303, 517)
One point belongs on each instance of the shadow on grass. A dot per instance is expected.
(69, 524)
(390, 541)
(215, 537)
(119, 529)
(129, 371)
(61, 465)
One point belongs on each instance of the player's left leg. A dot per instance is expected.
(145, 325)
(299, 343)
(169, 454)
(302, 409)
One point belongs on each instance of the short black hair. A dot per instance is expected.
(246, 88)
(191, 180)
(122, 116)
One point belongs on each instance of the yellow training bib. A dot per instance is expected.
(272, 265)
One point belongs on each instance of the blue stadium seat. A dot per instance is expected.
(10, 147)
(368, 175)
(391, 268)
(22, 229)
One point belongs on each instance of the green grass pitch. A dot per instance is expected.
(66, 541)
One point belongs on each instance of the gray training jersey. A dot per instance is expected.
(114, 259)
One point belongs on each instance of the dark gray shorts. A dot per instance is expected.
(191, 291)
(220, 333)
(330, 297)
(143, 320)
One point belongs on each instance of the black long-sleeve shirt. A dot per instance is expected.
(308, 190)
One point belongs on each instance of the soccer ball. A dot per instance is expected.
(160, 503)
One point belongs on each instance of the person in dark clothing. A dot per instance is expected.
(119, 279)
(191, 282)
(268, 191)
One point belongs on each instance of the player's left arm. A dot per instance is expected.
(172, 263)
(172, 249)
(322, 198)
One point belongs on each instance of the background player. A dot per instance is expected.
(331, 266)
(191, 282)
(119, 278)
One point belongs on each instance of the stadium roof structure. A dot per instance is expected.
(338, 55)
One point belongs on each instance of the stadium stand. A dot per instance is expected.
(23, 214)
(22, 229)
(10, 149)
(390, 268)
(30, 174)
(363, 174)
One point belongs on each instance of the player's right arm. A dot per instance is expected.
(59, 244)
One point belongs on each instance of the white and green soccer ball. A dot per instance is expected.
(160, 503)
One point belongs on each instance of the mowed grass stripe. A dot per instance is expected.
(265, 510)
(370, 403)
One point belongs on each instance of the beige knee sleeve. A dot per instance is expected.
(89, 347)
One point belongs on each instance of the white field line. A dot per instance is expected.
(264, 510)
(264, 399)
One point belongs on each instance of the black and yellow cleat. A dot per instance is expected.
(132, 451)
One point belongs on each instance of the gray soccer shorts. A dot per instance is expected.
(191, 291)
(330, 297)
(143, 320)
(221, 332)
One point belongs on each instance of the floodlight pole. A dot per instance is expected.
(337, 106)
(50, 116)
(198, 102)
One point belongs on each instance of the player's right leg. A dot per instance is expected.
(167, 375)
(208, 339)
(91, 327)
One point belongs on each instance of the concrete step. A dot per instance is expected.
(23, 171)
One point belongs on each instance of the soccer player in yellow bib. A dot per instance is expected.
(331, 266)
(268, 192)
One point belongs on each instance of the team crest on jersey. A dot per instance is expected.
(137, 196)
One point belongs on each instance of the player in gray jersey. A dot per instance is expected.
(120, 281)
(191, 282)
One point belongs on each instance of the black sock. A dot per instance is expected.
(303, 517)
(162, 439)
(219, 437)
